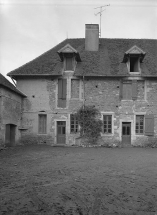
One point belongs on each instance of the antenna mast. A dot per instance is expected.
(101, 10)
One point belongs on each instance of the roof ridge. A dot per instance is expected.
(6, 83)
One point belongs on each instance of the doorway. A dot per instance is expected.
(61, 132)
(126, 133)
(10, 130)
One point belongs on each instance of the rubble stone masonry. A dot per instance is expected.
(104, 93)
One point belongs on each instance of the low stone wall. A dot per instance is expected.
(33, 139)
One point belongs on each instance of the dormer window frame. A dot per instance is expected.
(73, 59)
(138, 62)
(134, 52)
(69, 50)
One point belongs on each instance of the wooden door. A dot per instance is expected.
(10, 134)
(7, 135)
(126, 133)
(61, 132)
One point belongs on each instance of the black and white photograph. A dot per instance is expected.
(78, 107)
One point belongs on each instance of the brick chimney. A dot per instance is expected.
(92, 37)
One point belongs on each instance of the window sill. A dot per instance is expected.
(135, 73)
(42, 134)
(58, 108)
(140, 135)
(107, 135)
(76, 99)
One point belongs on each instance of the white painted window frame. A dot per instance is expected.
(108, 113)
(139, 114)
(55, 128)
(139, 68)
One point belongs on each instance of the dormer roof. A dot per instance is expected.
(134, 50)
(68, 49)
(107, 61)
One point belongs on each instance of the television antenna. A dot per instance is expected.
(100, 12)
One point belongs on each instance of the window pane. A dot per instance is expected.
(73, 123)
(109, 130)
(42, 124)
(69, 63)
(124, 130)
(139, 124)
(107, 124)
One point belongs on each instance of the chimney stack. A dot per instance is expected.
(92, 37)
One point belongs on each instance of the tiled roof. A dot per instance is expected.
(105, 62)
(4, 82)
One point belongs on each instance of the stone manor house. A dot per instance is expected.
(117, 76)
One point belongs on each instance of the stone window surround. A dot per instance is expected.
(108, 113)
(145, 87)
(55, 128)
(137, 114)
(69, 91)
(39, 114)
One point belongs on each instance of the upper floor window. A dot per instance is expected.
(75, 88)
(62, 92)
(69, 56)
(132, 90)
(134, 64)
(69, 63)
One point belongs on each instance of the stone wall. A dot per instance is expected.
(101, 92)
(10, 112)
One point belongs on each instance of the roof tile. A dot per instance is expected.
(105, 62)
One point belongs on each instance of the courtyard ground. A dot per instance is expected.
(78, 181)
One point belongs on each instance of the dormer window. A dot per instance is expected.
(69, 62)
(134, 63)
(69, 56)
(133, 58)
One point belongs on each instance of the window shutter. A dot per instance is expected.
(149, 124)
(62, 91)
(121, 90)
(69, 63)
(60, 88)
(134, 89)
(64, 88)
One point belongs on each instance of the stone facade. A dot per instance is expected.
(103, 93)
(117, 76)
(10, 113)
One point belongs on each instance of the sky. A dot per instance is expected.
(28, 28)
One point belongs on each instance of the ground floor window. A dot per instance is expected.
(73, 123)
(107, 124)
(139, 124)
(42, 123)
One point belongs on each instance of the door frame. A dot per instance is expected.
(132, 129)
(66, 129)
(10, 136)
(126, 137)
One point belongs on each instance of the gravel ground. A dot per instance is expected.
(78, 181)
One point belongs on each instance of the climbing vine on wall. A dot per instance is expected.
(90, 123)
